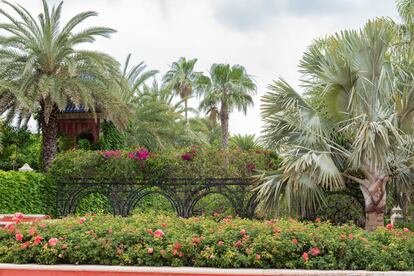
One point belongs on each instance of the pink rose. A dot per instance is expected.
(305, 257)
(390, 226)
(238, 244)
(19, 237)
(242, 232)
(25, 245)
(258, 257)
(295, 241)
(158, 233)
(315, 251)
(53, 241)
(150, 250)
(38, 239)
(406, 230)
(82, 220)
(220, 243)
(150, 231)
(32, 231)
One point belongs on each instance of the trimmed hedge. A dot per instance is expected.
(213, 241)
(192, 162)
(27, 192)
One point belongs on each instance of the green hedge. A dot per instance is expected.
(213, 241)
(186, 163)
(26, 192)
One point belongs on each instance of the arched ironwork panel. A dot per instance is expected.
(136, 197)
(182, 193)
(229, 197)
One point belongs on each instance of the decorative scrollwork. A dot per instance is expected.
(182, 193)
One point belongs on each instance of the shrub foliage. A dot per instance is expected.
(213, 241)
(27, 192)
(192, 162)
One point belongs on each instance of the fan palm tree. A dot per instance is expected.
(245, 142)
(351, 126)
(228, 87)
(182, 78)
(42, 70)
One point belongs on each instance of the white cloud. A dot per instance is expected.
(268, 37)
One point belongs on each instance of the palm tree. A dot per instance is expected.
(228, 87)
(245, 142)
(42, 69)
(182, 78)
(347, 128)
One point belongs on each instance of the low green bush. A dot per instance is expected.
(209, 241)
(27, 192)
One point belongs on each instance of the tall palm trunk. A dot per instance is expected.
(186, 111)
(374, 191)
(224, 119)
(49, 141)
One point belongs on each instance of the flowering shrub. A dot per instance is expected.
(213, 241)
(187, 163)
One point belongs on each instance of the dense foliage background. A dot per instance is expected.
(27, 192)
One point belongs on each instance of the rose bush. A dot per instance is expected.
(208, 241)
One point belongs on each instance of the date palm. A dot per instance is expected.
(182, 78)
(42, 69)
(227, 87)
(354, 124)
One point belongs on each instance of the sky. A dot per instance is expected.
(267, 37)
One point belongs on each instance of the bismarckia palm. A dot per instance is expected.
(348, 127)
(43, 69)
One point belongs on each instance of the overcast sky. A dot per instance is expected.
(268, 37)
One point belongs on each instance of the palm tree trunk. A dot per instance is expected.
(185, 111)
(375, 196)
(49, 139)
(224, 119)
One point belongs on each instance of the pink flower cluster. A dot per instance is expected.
(139, 154)
(188, 156)
(112, 153)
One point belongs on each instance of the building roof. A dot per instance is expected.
(71, 108)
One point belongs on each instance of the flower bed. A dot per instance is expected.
(214, 241)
